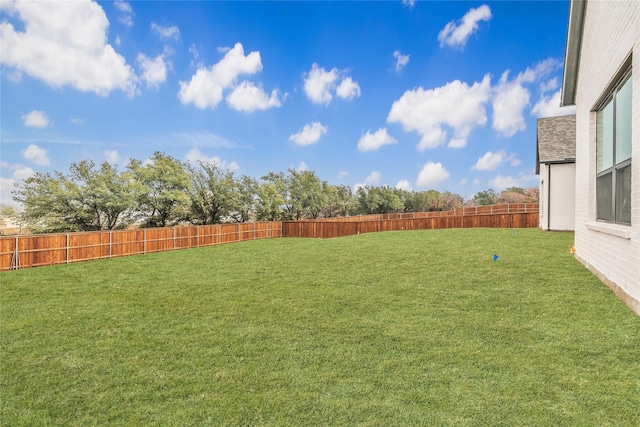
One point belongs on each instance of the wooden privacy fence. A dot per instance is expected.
(50, 249)
(24, 251)
(328, 228)
(505, 208)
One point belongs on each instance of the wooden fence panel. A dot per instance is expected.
(159, 239)
(127, 242)
(186, 237)
(7, 250)
(87, 246)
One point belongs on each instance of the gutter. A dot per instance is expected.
(575, 28)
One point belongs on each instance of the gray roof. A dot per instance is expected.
(556, 140)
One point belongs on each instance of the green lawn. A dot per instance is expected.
(399, 328)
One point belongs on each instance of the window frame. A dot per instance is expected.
(616, 167)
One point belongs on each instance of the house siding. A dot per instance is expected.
(611, 33)
(559, 204)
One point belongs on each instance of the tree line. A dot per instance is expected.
(165, 191)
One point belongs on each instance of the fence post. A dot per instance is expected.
(67, 248)
(197, 236)
(15, 260)
(174, 238)
(238, 232)
(110, 242)
(254, 230)
(144, 240)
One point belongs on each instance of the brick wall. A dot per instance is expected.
(611, 34)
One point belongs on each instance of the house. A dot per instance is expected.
(602, 79)
(555, 163)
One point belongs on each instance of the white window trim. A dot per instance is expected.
(617, 230)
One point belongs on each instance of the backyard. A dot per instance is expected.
(440, 327)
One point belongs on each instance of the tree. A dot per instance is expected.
(164, 199)
(484, 198)
(306, 194)
(212, 193)
(376, 200)
(271, 197)
(450, 201)
(340, 201)
(85, 199)
(7, 210)
(244, 199)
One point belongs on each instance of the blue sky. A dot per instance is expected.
(416, 95)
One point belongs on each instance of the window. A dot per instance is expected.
(613, 155)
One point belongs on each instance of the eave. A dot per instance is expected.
(577, 10)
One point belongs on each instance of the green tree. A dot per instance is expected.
(7, 210)
(484, 198)
(377, 200)
(306, 193)
(85, 199)
(271, 198)
(212, 193)
(164, 199)
(340, 201)
(246, 189)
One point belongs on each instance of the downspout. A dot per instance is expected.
(548, 196)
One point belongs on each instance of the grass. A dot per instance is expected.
(399, 328)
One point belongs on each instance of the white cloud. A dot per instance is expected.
(476, 181)
(154, 71)
(247, 97)
(171, 32)
(373, 178)
(489, 161)
(463, 181)
(194, 155)
(76, 120)
(509, 102)
(404, 184)
(7, 185)
(549, 106)
(456, 105)
(500, 182)
(302, 167)
(320, 85)
(373, 141)
(549, 85)
(207, 84)
(456, 34)
(198, 138)
(36, 119)
(36, 154)
(64, 44)
(511, 97)
(123, 6)
(432, 174)
(401, 60)
(310, 134)
(14, 76)
(348, 89)
(409, 3)
(127, 12)
(342, 174)
(112, 156)
(540, 70)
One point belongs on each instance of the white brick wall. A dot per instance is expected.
(611, 34)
